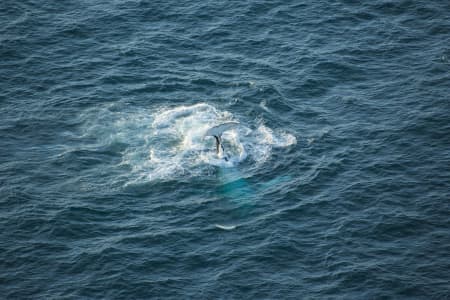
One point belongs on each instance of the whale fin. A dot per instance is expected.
(217, 131)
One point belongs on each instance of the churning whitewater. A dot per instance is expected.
(170, 142)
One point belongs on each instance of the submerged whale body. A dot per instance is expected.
(217, 131)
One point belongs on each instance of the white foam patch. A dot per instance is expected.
(170, 142)
(263, 105)
(277, 139)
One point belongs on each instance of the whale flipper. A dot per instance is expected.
(217, 131)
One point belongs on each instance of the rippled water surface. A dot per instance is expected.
(337, 178)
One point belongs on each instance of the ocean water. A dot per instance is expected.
(337, 183)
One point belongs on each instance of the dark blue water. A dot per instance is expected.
(338, 178)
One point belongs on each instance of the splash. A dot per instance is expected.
(170, 142)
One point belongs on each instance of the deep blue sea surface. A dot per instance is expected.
(337, 178)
